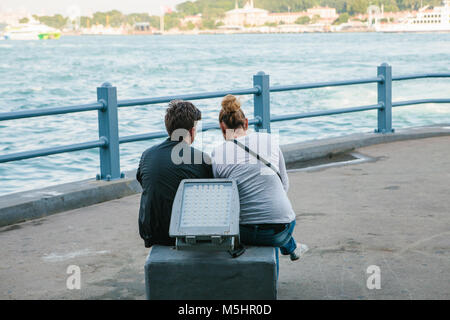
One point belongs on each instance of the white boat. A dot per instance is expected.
(30, 31)
(425, 20)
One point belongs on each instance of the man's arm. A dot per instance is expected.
(138, 172)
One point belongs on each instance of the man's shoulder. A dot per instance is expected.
(163, 153)
(149, 150)
(199, 154)
(155, 148)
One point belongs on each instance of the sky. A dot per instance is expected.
(86, 7)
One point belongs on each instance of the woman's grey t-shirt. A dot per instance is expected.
(262, 194)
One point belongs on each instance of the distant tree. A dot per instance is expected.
(343, 18)
(388, 5)
(56, 21)
(303, 20)
(208, 24)
(192, 7)
(210, 9)
(172, 20)
(99, 18)
(288, 5)
(155, 21)
(357, 6)
(132, 18)
(415, 4)
(188, 8)
(113, 18)
(85, 22)
(190, 26)
(24, 20)
(315, 18)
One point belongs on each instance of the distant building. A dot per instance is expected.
(249, 15)
(195, 20)
(99, 29)
(323, 12)
(286, 17)
(142, 26)
(388, 17)
(437, 15)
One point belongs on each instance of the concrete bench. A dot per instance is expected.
(200, 275)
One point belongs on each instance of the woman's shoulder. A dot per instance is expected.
(220, 148)
(259, 136)
(263, 139)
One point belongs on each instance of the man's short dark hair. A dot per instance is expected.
(181, 115)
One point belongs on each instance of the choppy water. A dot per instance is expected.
(39, 74)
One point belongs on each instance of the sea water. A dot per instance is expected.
(42, 74)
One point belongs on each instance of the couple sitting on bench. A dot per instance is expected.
(257, 165)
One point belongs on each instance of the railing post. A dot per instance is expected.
(262, 101)
(108, 128)
(385, 97)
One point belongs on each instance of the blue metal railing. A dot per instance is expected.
(107, 106)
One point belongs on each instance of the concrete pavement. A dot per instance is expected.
(392, 213)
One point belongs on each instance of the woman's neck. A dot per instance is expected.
(237, 133)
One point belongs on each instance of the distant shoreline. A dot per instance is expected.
(250, 32)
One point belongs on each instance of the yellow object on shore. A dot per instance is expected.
(50, 35)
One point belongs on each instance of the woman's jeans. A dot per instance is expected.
(269, 237)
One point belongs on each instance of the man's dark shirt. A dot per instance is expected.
(159, 177)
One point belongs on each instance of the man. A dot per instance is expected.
(163, 166)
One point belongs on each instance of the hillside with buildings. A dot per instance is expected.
(254, 16)
(250, 18)
(218, 7)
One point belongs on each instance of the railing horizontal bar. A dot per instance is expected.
(324, 84)
(193, 96)
(52, 150)
(206, 95)
(421, 76)
(143, 136)
(256, 90)
(324, 113)
(420, 101)
(163, 134)
(49, 111)
(210, 126)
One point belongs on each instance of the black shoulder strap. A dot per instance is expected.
(257, 156)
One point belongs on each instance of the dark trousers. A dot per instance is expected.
(260, 235)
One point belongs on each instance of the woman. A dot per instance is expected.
(256, 163)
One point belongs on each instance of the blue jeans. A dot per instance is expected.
(282, 239)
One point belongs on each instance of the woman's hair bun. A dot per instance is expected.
(231, 114)
(230, 104)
